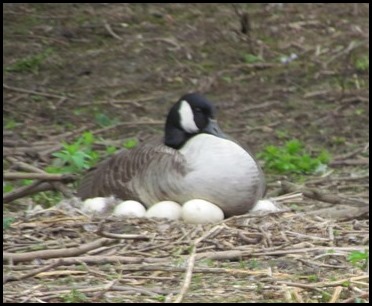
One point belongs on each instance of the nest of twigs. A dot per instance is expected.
(56, 257)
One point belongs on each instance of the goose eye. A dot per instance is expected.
(198, 110)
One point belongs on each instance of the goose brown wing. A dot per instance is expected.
(114, 176)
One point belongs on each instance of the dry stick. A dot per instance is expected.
(26, 191)
(324, 284)
(316, 194)
(38, 176)
(353, 45)
(338, 179)
(49, 95)
(126, 124)
(340, 212)
(24, 166)
(352, 299)
(259, 106)
(348, 155)
(111, 32)
(101, 232)
(56, 253)
(336, 294)
(350, 162)
(136, 264)
(56, 185)
(9, 278)
(114, 259)
(122, 236)
(69, 134)
(190, 266)
(302, 250)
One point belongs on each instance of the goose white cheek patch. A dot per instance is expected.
(187, 118)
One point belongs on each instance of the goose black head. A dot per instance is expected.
(193, 114)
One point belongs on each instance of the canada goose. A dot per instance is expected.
(194, 160)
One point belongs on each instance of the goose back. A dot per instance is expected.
(137, 174)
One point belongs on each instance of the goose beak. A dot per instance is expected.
(214, 129)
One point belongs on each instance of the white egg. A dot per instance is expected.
(265, 205)
(130, 209)
(201, 212)
(165, 209)
(94, 205)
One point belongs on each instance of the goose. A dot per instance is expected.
(193, 160)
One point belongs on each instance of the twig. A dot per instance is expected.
(69, 134)
(9, 278)
(190, 266)
(56, 253)
(170, 41)
(364, 295)
(23, 166)
(105, 129)
(100, 232)
(341, 212)
(38, 93)
(109, 29)
(259, 106)
(336, 294)
(350, 162)
(321, 195)
(353, 45)
(39, 176)
(324, 284)
(23, 191)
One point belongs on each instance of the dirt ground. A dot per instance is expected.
(275, 72)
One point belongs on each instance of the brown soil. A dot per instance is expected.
(66, 64)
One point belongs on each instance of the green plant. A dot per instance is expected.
(103, 120)
(76, 156)
(47, 198)
(7, 187)
(7, 221)
(160, 298)
(359, 259)
(362, 63)
(292, 158)
(313, 278)
(30, 63)
(252, 264)
(10, 124)
(74, 296)
(251, 58)
(130, 143)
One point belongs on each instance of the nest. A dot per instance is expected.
(285, 256)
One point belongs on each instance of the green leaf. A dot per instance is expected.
(111, 150)
(358, 256)
(292, 158)
(251, 58)
(63, 155)
(7, 188)
(293, 146)
(7, 221)
(88, 138)
(130, 143)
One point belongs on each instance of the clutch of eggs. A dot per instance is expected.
(194, 211)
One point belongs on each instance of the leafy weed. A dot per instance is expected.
(292, 158)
